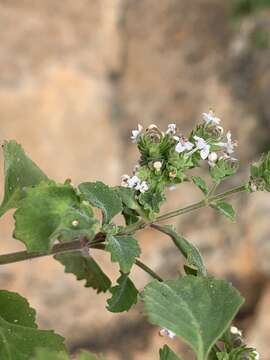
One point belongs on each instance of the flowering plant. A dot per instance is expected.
(58, 219)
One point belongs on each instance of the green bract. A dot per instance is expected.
(260, 174)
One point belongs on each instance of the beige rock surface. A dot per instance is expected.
(75, 78)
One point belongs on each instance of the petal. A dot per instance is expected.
(205, 152)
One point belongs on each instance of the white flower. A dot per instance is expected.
(229, 145)
(183, 145)
(142, 187)
(157, 165)
(257, 355)
(136, 134)
(168, 333)
(210, 118)
(133, 181)
(235, 331)
(171, 129)
(212, 158)
(201, 145)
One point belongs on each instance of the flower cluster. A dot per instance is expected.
(166, 156)
(238, 342)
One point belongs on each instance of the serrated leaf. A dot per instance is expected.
(124, 295)
(189, 251)
(222, 169)
(103, 197)
(200, 183)
(85, 268)
(19, 336)
(48, 213)
(225, 209)
(167, 354)
(124, 249)
(20, 172)
(197, 309)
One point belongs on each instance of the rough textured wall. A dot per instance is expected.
(75, 78)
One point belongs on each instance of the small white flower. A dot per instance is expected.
(75, 223)
(212, 159)
(142, 187)
(168, 333)
(229, 145)
(183, 145)
(210, 118)
(202, 145)
(171, 129)
(124, 180)
(136, 134)
(235, 331)
(257, 355)
(133, 181)
(157, 165)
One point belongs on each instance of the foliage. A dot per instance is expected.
(61, 220)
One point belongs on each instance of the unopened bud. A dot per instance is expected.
(213, 157)
(157, 165)
(172, 174)
(75, 223)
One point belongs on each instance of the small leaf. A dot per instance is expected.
(89, 356)
(46, 354)
(19, 336)
(51, 211)
(197, 309)
(167, 354)
(124, 295)
(103, 197)
(85, 268)
(20, 172)
(223, 169)
(189, 251)
(225, 209)
(129, 200)
(198, 181)
(124, 250)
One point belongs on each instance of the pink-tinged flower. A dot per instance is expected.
(183, 145)
(136, 134)
(168, 333)
(201, 145)
(210, 118)
(230, 144)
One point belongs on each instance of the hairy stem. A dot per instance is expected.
(99, 238)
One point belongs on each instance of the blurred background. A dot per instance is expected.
(75, 78)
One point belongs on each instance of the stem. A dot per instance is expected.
(99, 238)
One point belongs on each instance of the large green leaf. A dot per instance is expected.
(124, 295)
(19, 336)
(51, 211)
(167, 354)
(20, 173)
(225, 208)
(85, 268)
(124, 249)
(103, 197)
(198, 309)
(189, 251)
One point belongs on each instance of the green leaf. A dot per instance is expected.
(85, 268)
(197, 309)
(52, 211)
(89, 356)
(20, 172)
(45, 354)
(222, 169)
(124, 295)
(225, 209)
(200, 183)
(124, 249)
(19, 336)
(189, 251)
(103, 197)
(129, 200)
(167, 354)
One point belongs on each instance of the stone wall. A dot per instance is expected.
(75, 78)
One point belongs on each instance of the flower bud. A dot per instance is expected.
(173, 174)
(75, 223)
(157, 165)
(212, 157)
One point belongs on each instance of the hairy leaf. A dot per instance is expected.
(103, 197)
(19, 336)
(51, 211)
(124, 250)
(189, 251)
(85, 268)
(198, 309)
(45, 354)
(225, 209)
(200, 183)
(124, 295)
(20, 173)
(167, 354)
